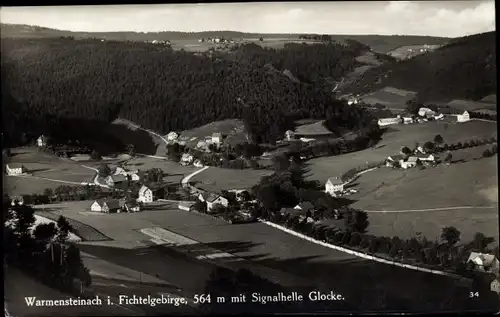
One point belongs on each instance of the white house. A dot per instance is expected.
(15, 169)
(201, 144)
(172, 136)
(495, 286)
(439, 117)
(305, 206)
(334, 185)
(185, 206)
(217, 138)
(388, 121)
(411, 162)
(145, 195)
(307, 140)
(407, 120)
(104, 205)
(289, 135)
(464, 117)
(213, 199)
(41, 141)
(114, 180)
(197, 163)
(186, 159)
(391, 160)
(484, 262)
(429, 158)
(425, 112)
(119, 171)
(134, 176)
(420, 150)
(131, 206)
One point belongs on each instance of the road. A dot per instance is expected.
(435, 209)
(185, 180)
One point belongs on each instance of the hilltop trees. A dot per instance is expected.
(169, 90)
(450, 235)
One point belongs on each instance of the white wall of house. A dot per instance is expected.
(95, 207)
(14, 171)
(145, 195)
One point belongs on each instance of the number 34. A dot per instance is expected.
(473, 294)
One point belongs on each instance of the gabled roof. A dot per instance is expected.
(335, 181)
(412, 159)
(217, 135)
(485, 259)
(118, 178)
(306, 205)
(112, 204)
(213, 197)
(396, 157)
(131, 203)
(143, 189)
(15, 165)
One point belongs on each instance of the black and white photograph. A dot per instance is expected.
(250, 157)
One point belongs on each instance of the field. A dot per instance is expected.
(174, 170)
(216, 179)
(470, 105)
(234, 129)
(390, 97)
(46, 171)
(402, 52)
(471, 184)
(392, 141)
(268, 247)
(312, 129)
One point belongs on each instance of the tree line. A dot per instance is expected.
(165, 90)
(42, 250)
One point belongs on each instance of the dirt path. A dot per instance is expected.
(435, 209)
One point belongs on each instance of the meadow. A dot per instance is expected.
(390, 97)
(397, 136)
(217, 179)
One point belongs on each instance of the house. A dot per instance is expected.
(305, 206)
(119, 171)
(419, 150)
(131, 206)
(42, 141)
(185, 206)
(388, 121)
(289, 135)
(411, 162)
(393, 159)
(214, 199)
(186, 159)
(145, 195)
(134, 177)
(217, 138)
(484, 262)
(427, 158)
(464, 117)
(334, 185)
(204, 196)
(201, 144)
(15, 169)
(426, 112)
(197, 163)
(106, 206)
(114, 180)
(495, 285)
(307, 140)
(407, 120)
(439, 117)
(172, 136)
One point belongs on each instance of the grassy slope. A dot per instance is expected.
(465, 69)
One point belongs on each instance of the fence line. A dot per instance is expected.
(359, 254)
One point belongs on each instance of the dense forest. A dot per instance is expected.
(49, 81)
(463, 69)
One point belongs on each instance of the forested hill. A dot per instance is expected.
(166, 90)
(379, 43)
(463, 69)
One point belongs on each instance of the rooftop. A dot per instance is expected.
(335, 181)
(306, 205)
(112, 204)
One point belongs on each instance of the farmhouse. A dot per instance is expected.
(197, 163)
(214, 200)
(464, 117)
(106, 206)
(305, 206)
(217, 138)
(495, 285)
(333, 186)
(186, 159)
(145, 195)
(388, 121)
(484, 262)
(419, 150)
(426, 112)
(407, 120)
(393, 160)
(289, 135)
(172, 136)
(119, 171)
(15, 169)
(131, 206)
(114, 180)
(185, 206)
(42, 141)
(411, 162)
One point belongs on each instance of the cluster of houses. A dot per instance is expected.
(216, 40)
(14, 169)
(406, 161)
(121, 175)
(160, 42)
(424, 115)
(489, 264)
(115, 206)
(216, 139)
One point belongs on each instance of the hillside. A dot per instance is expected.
(463, 69)
(62, 80)
(379, 43)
